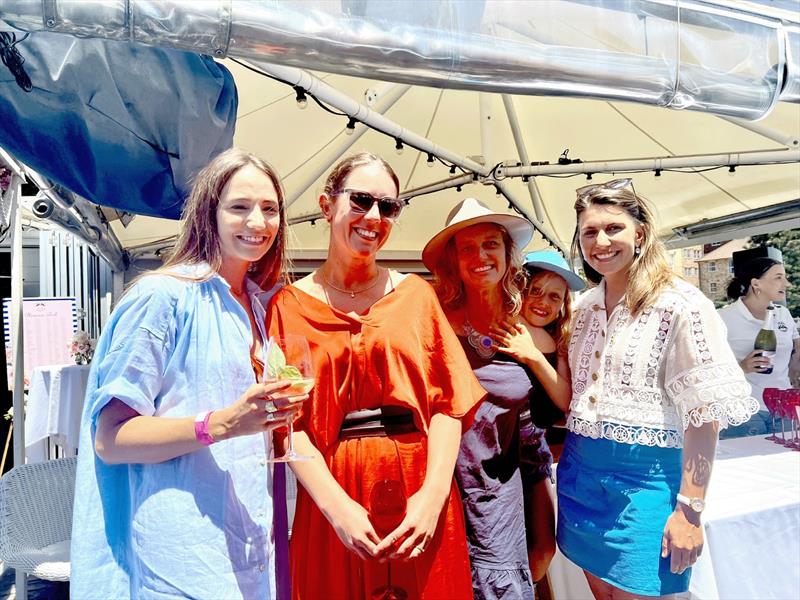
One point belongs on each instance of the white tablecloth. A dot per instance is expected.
(752, 527)
(55, 402)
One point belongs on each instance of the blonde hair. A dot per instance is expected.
(559, 328)
(649, 274)
(450, 288)
(198, 240)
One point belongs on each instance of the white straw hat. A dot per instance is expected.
(470, 212)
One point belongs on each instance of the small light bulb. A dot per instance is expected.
(300, 97)
(350, 129)
(398, 146)
(430, 160)
(732, 170)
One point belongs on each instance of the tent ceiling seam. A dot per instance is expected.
(427, 133)
(640, 129)
(280, 99)
(671, 153)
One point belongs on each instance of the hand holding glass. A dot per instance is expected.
(289, 358)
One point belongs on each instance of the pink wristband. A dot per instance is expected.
(201, 428)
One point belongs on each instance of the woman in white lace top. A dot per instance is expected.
(653, 379)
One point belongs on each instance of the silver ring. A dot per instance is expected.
(270, 406)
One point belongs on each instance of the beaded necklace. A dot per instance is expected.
(483, 344)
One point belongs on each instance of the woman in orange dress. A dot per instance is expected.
(393, 394)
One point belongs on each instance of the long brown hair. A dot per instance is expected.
(559, 328)
(198, 240)
(450, 288)
(649, 274)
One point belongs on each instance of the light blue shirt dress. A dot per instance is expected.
(200, 525)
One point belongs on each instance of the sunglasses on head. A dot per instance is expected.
(389, 208)
(614, 184)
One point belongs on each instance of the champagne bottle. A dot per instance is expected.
(766, 340)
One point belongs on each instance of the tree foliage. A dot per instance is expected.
(787, 242)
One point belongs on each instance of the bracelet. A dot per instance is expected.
(201, 428)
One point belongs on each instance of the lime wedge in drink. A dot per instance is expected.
(289, 372)
(300, 386)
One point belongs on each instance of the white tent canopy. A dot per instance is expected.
(576, 68)
(299, 142)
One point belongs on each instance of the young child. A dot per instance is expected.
(540, 342)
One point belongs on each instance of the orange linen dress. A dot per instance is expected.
(402, 352)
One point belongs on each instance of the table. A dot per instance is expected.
(752, 528)
(55, 403)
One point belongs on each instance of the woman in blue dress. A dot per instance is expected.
(174, 489)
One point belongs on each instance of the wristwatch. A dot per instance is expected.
(696, 504)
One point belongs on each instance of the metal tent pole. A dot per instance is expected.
(17, 347)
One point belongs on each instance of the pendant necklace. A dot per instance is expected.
(483, 344)
(351, 293)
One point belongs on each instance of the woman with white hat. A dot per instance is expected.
(478, 278)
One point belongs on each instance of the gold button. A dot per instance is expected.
(595, 307)
(592, 399)
(594, 376)
(261, 568)
(597, 353)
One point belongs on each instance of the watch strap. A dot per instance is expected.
(691, 502)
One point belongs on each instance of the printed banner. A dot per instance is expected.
(48, 325)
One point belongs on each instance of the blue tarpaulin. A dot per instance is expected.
(121, 124)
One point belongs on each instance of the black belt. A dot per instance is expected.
(383, 421)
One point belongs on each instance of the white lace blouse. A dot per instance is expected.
(644, 380)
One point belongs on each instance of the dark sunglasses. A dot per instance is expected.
(614, 184)
(389, 208)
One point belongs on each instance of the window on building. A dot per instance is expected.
(686, 253)
(730, 266)
(687, 271)
(712, 287)
(712, 267)
(697, 254)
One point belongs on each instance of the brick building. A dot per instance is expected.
(683, 262)
(716, 269)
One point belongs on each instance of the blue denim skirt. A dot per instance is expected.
(613, 502)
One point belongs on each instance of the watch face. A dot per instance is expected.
(697, 505)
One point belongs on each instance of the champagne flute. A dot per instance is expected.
(771, 396)
(289, 358)
(387, 507)
(791, 398)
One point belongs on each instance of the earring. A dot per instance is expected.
(637, 251)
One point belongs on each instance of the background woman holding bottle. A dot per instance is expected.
(760, 284)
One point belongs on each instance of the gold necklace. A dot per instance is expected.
(352, 293)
